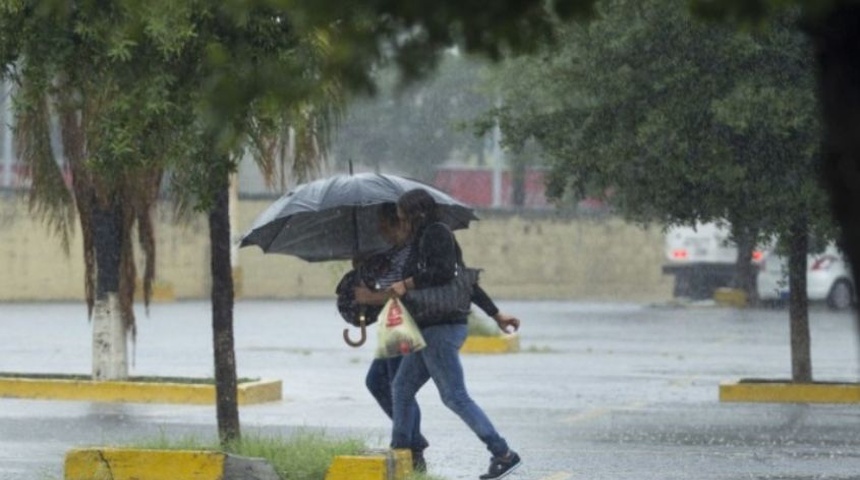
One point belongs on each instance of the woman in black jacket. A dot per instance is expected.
(433, 261)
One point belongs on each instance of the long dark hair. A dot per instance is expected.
(419, 208)
(388, 213)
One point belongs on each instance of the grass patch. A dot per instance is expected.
(163, 442)
(303, 456)
(481, 325)
(141, 379)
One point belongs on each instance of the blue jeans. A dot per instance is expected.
(380, 377)
(440, 360)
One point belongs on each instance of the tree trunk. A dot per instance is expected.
(518, 180)
(222, 314)
(745, 272)
(798, 306)
(836, 38)
(110, 352)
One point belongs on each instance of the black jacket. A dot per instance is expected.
(433, 260)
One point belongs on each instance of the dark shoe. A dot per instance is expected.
(501, 466)
(418, 462)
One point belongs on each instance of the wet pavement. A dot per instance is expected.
(599, 391)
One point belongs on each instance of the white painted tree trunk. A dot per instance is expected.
(110, 352)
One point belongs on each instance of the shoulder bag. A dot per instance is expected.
(437, 304)
(434, 305)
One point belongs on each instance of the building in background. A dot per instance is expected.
(475, 186)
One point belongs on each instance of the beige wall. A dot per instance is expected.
(523, 258)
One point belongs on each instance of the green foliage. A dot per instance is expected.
(674, 120)
(412, 34)
(756, 12)
(305, 456)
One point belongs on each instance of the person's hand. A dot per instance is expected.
(363, 295)
(507, 323)
(397, 289)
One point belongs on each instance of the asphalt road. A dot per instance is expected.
(599, 391)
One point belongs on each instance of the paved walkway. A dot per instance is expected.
(600, 391)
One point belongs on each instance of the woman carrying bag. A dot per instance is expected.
(365, 287)
(434, 261)
(353, 293)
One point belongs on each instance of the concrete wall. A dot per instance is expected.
(523, 258)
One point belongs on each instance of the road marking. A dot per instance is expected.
(559, 476)
(600, 412)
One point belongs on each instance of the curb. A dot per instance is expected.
(730, 297)
(777, 391)
(499, 344)
(140, 464)
(375, 465)
(46, 388)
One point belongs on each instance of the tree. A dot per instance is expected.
(832, 26)
(129, 84)
(71, 69)
(225, 52)
(681, 123)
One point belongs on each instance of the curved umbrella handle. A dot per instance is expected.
(361, 339)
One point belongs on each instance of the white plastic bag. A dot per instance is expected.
(397, 331)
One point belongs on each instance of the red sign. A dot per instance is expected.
(395, 315)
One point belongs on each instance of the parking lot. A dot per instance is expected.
(599, 391)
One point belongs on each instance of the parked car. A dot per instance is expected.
(828, 279)
(701, 258)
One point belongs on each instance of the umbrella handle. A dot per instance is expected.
(361, 339)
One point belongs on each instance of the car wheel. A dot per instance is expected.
(841, 295)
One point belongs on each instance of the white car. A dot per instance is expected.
(828, 279)
(701, 258)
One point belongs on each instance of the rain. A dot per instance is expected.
(660, 194)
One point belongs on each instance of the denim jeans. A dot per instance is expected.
(380, 377)
(440, 360)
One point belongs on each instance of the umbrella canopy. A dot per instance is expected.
(336, 218)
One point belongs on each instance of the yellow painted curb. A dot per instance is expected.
(133, 464)
(261, 391)
(500, 344)
(151, 464)
(730, 297)
(765, 391)
(378, 465)
(133, 392)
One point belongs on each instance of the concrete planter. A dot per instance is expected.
(141, 464)
(784, 391)
(499, 344)
(373, 465)
(144, 390)
(146, 464)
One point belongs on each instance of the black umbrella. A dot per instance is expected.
(335, 218)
